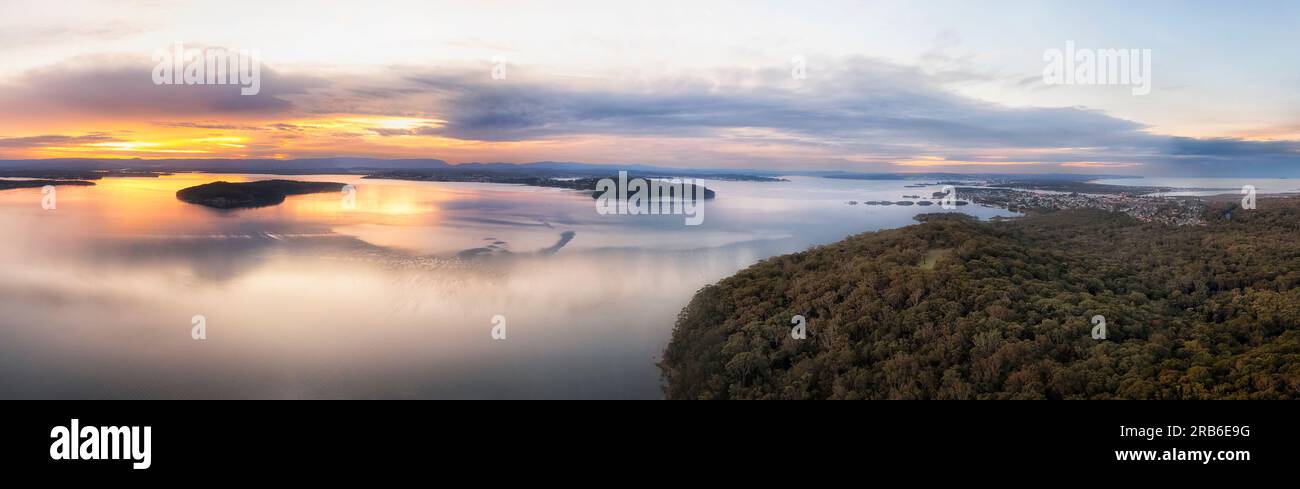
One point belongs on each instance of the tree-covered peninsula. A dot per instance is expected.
(954, 308)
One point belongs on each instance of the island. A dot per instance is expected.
(958, 308)
(227, 195)
(681, 191)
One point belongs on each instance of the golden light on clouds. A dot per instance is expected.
(394, 136)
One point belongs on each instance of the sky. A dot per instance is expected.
(879, 86)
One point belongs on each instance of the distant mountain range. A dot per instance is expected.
(369, 165)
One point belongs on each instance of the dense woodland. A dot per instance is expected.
(226, 195)
(954, 308)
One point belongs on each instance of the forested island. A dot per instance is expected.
(678, 191)
(226, 195)
(955, 308)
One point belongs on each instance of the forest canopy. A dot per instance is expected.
(226, 195)
(955, 308)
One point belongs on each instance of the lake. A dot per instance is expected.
(393, 297)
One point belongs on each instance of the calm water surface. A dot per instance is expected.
(391, 299)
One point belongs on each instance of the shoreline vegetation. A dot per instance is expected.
(58, 174)
(265, 193)
(956, 308)
(17, 184)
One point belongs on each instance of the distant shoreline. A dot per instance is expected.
(17, 184)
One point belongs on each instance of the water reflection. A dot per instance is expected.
(391, 299)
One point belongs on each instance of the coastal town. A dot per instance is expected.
(1174, 211)
(1147, 204)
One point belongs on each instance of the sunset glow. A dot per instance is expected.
(469, 83)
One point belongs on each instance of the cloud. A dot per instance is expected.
(1098, 164)
(416, 131)
(28, 36)
(55, 140)
(859, 108)
(123, 87)
(207, 125)
(852, 113)
(860, 99)
(1214, 147)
